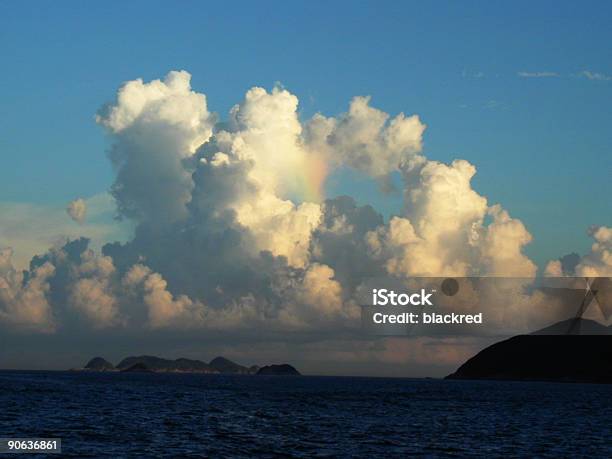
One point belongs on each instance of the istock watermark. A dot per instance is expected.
(384, 297)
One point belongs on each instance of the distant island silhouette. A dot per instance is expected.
(153, 364)
(575, 350)
(283, 369)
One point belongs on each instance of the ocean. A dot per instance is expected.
(190, 415)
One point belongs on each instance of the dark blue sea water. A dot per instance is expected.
(157, 415)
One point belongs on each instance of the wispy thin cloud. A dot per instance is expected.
(594, 76)
(538, 74)
(587, 74)
(493, 104)
(476, 75)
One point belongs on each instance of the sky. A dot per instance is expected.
(521, 91)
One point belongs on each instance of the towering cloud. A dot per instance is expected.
(155, 127)
(257, 163)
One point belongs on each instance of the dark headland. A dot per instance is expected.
(569, 351)
(283, 370)
(153, 364)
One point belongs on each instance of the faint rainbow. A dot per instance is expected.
(313, 179)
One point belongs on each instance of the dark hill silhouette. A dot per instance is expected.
(165, 365)
(99, 364)
(279, 370)
(544, 356)
(137, 368)
(226, 366)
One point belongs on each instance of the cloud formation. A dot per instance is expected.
(230, 216)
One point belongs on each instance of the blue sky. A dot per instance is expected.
(542, 144)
